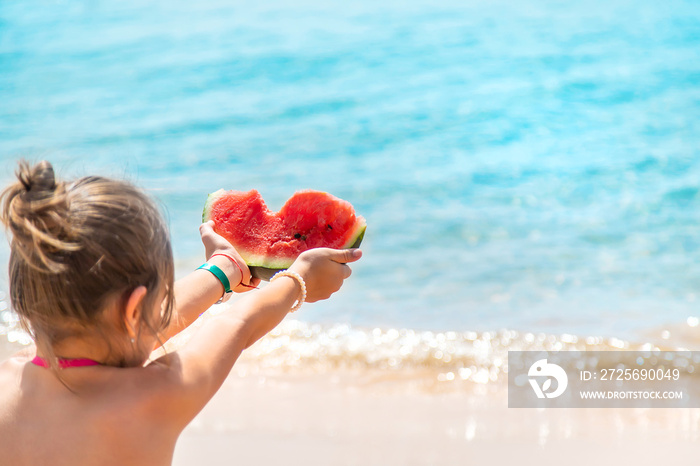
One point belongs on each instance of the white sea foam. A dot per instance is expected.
(479, 357)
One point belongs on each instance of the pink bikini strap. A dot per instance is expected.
(66, 363)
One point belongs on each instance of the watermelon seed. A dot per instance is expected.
(297, 236)
(303, 237)
(329, 227)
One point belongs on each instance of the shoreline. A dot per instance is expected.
(437, 359)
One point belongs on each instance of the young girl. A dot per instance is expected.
(91, 277)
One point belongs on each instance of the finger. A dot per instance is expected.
(347, 271)
(243, 288)
(206, 229)
(247, 280)
(247, 276)
(344, 256)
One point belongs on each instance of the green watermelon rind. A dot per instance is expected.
(267, 272)
(211, 198)
(282, 263)
(264, 267)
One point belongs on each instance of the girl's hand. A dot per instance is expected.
(324, 270)
(217, 244)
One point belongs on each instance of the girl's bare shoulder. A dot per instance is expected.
(11, 368)
(12, 388)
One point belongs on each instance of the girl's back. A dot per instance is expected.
(97, 423)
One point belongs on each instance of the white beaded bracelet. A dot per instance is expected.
(297, 277)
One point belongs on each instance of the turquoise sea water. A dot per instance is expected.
(530, 165)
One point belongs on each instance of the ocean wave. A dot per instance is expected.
(473, 356)
(479, 357)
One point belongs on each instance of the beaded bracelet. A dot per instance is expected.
(297, 277)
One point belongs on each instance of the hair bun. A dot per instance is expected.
(35, 209)
(39, 179)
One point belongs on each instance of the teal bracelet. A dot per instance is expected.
(218, 273)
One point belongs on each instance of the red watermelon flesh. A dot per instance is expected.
(271, 241)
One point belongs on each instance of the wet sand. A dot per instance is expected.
(369, 418)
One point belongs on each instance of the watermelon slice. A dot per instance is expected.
(271, 241)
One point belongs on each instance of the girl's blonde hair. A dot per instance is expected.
(77, 247)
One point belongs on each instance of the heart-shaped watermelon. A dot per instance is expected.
(271, 241)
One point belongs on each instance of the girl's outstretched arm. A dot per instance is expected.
(197, 292)
(193, 374)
